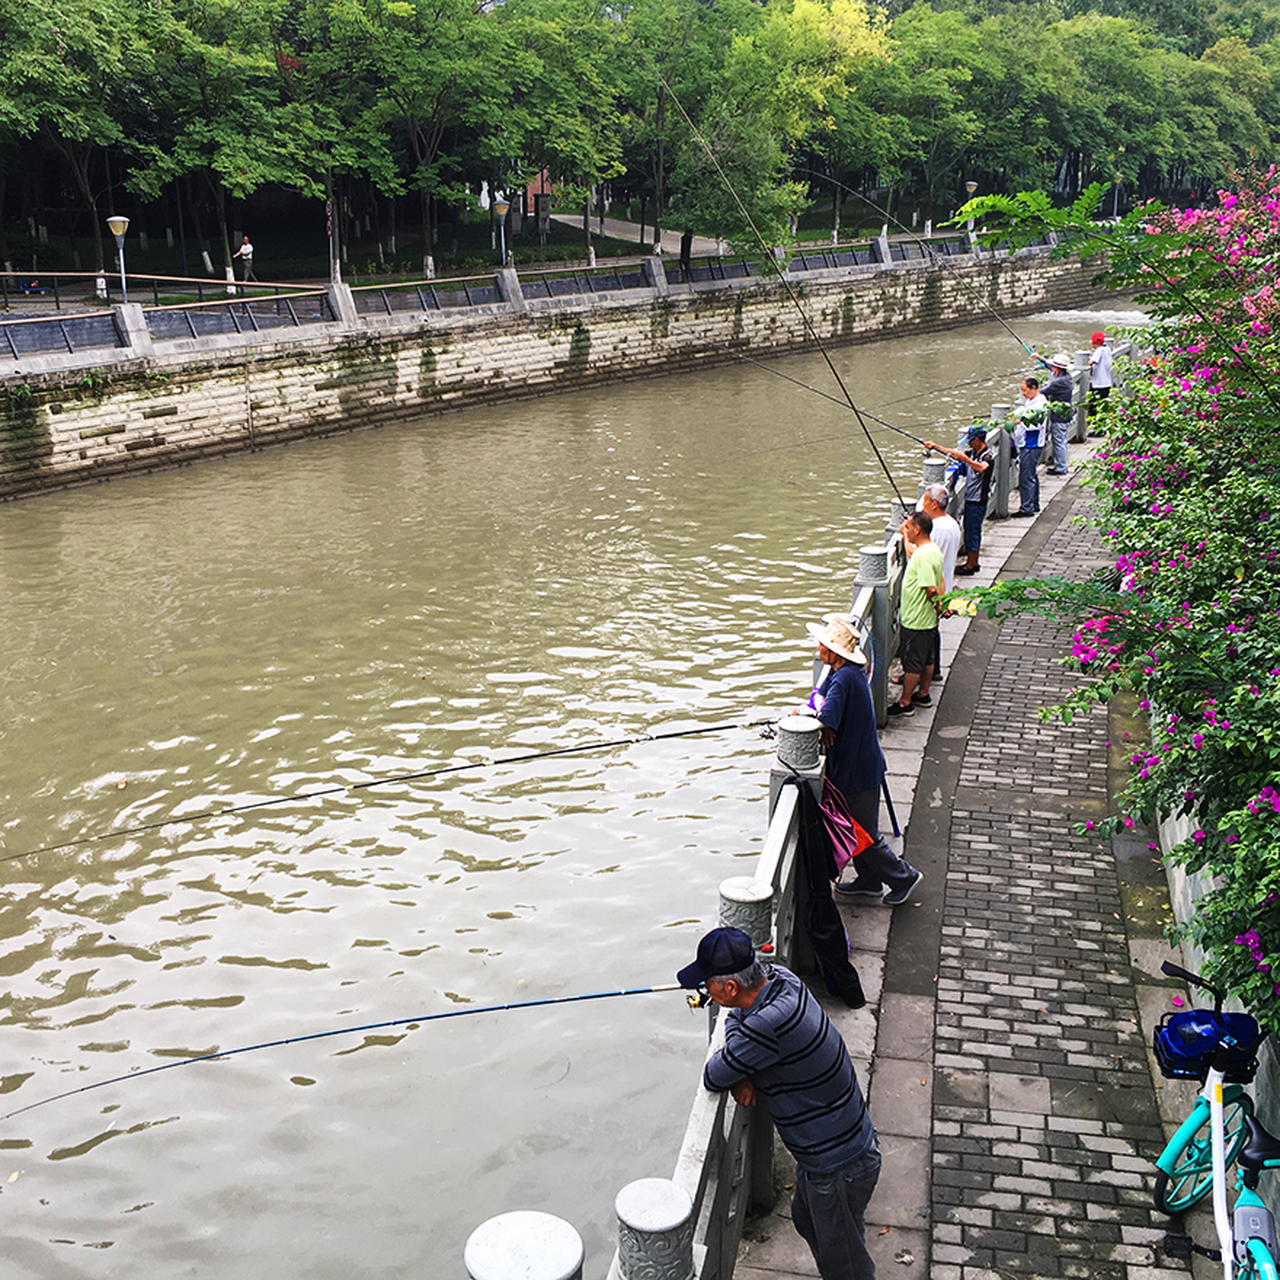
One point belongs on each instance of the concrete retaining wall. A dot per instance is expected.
(156, 404)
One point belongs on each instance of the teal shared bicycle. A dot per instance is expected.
(1219, 1050)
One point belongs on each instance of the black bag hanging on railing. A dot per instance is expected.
(821, 916)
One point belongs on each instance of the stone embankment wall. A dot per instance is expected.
(156, 404)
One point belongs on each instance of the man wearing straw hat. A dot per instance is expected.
(781, 1049)
(855, 763)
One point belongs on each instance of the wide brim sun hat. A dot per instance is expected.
(838, 636)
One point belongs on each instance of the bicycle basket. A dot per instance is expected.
(1185, 1044)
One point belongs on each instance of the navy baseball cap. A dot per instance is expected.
(977, 430)
(721, 951)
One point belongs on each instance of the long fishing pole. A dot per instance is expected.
(928, 249)
(817, 391)
(344, 1031)
(791, 295)
(323, 792)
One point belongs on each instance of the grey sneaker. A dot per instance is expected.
(856, 890)
(899, 896)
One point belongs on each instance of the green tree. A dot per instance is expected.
(65, 63)
(413, 66)
(777, 94)
(212, 88)
(551, 102)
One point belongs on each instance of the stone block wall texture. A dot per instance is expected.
(185, 402)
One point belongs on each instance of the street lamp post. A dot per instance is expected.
(500, 208)
(970, 187)
(119, 224)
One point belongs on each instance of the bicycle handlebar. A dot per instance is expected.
(1171, 970)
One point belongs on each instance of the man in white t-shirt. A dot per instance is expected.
(1100, 378)
(245, 252)
(1029, 416)
(946, 536)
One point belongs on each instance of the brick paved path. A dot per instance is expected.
(1006, 1066)
(1045, 1122)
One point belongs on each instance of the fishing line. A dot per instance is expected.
(953, 386)
(929, 253)
(817, 391)
(324, 792)
(344, 1031)
(795, 301)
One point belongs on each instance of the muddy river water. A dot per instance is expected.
(464, 589)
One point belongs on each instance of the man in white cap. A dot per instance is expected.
(1058, 392)
(781, 1049)
(855, 763)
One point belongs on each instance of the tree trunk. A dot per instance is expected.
(657, 173)
(197, 226)
(4, 236)
(428, 260)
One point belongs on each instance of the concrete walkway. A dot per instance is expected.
(703, 246)
(1010, 1000)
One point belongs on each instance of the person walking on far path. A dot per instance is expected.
(781, 1050)
(1058, 391)
(977, 488)
(245, 252)
(855, 764)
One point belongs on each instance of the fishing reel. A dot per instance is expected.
(699, 998)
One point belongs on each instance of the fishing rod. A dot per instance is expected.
(928, 250)
(817, 391)
(345, 1031)
(791, 295)
(324, 792)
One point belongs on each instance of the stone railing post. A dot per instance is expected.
(131, 322)
(524, 1245)
(899, 510)
(998, 499)
(747, 904)
(655, 1231)
(508, 283)
(797, 747)
(873, 572)
(656, 274)
(343, 303)
(934, 471)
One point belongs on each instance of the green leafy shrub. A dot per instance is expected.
(1188, 497)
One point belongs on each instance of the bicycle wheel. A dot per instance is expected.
(1192, 1174)
(1260, 1265)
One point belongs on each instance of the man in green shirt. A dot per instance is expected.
(918, 614)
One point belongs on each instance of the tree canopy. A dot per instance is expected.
(725, 119)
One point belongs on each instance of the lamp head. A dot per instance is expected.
(971, 187)
(119, 225)
(500, 208)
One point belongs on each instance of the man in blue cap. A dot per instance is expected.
(781, 1049)
(979, 464)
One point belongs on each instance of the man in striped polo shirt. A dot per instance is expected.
(781, 1049)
